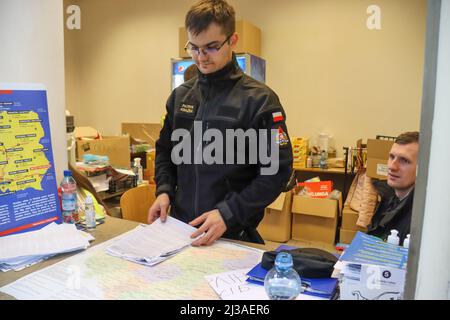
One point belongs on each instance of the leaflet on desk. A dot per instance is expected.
(152, 244)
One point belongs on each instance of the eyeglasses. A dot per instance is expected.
(209, 50)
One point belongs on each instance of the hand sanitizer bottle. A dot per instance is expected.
(393, 238)
(89, 213)
(406, 242)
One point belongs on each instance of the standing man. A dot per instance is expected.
(395, 208)
(223, 198)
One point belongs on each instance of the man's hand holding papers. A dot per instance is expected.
(154, 243)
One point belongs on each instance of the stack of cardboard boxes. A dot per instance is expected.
(300, 218)
(315, 219)
(300, 148)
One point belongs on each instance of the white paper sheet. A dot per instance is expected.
(56, 239)
(154, 243)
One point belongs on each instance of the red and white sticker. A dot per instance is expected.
(277, 116)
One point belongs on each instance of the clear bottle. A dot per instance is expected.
(393, 237)
(137, 169)
(323, 160)
(406, 242)
(282, 282)
(89, 213)
(309, 161)
(69, 198)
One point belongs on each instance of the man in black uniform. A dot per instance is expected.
(395, 209)
(225, 197)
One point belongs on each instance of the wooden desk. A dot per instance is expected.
(112, 228)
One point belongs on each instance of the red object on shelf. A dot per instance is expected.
(319, 189)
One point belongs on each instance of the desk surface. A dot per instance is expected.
(112, 228)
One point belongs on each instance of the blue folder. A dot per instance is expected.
(320, 287)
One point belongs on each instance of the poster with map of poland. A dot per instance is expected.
(28, 186)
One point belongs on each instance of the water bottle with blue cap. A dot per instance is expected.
(282, 282)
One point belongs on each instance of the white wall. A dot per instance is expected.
(433, 278)
(32, 51)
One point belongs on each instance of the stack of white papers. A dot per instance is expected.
(152, 244)
(23, 250)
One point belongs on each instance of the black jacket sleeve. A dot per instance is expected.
(165, 170)
(243, 209)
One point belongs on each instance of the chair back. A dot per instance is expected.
(136, 202)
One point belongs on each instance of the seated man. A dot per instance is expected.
(395, 209)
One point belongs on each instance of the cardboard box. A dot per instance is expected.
(349, 218)
(276, 224)
(377, 158)
(346, 236)
(249, 39)
(116, 148)
(314, 219)
(149, 132)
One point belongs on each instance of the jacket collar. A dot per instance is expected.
(231, 72)
(397, 207)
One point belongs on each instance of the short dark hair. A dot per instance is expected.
(205, 12)
(408, 137)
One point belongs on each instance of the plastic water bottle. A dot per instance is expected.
(406, 242)
(323, 160)
(137, 169)
(282, 282)
(393, 238)
(69, 198)
(309, 162)
(89, 213)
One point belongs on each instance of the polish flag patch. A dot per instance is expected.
(277, 117)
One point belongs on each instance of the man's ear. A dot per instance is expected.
(234, 40)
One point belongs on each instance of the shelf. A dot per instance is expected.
(318, 170)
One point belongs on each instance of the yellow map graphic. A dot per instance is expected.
(23, 163)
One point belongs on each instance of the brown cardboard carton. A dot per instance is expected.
(377, 158)
(346, 236)
(276, 224)
(149, 132)
(314, 219)
(349, 218)
(249, 39)
(116, 148)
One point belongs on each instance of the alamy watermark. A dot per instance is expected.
(211, 147)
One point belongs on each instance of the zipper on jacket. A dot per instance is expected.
(197, 176)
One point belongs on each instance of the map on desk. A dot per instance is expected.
(94, 274)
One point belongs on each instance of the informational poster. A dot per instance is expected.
(28, 186)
